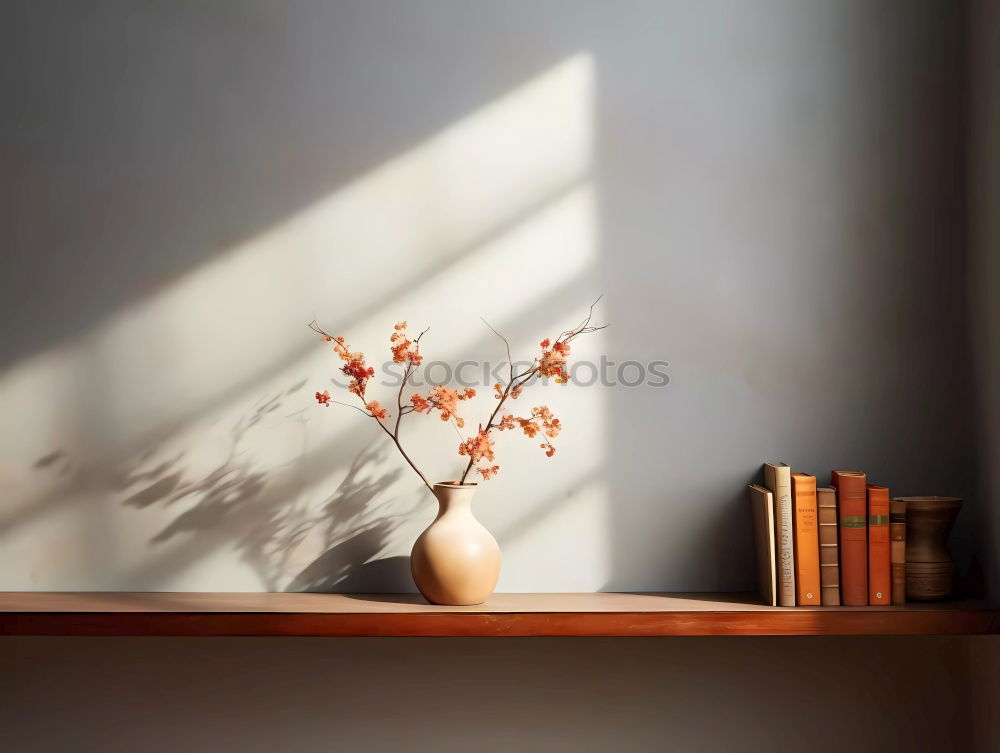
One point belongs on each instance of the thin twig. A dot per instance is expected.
(506, 342)
(395, 441)
(457, 430)
(348, 405)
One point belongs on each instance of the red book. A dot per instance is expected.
(852, 503)
(879, 572)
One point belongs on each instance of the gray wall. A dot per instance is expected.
(769, 194)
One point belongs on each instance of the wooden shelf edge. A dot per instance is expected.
(498, 625)
(353, 616)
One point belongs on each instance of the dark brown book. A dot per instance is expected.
(852, 504)
(879, 578)
(897, 549)
(762, 507)
(829, 563)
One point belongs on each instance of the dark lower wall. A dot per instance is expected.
(984, 254)
(984, 297)
(670, 694)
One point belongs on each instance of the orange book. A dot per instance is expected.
(851, 502)
(879, 572)
(806, 540)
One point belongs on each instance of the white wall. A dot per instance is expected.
(768, 194)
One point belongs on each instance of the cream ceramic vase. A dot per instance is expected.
(456, 561)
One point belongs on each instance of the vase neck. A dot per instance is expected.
(453, 497)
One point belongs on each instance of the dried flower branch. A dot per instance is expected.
(479, 448)
(551, 364)
(403, 350)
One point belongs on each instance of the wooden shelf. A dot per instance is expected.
(583, 614)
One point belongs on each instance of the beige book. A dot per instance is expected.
(778, 480)
(762, 506)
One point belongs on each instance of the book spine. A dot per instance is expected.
(897, 549)
(879, 577)
(807, 587)
(829, 563)
(778, 479)
(851, 502)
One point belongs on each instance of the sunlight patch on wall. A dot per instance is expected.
(186, 422)
(563, 545)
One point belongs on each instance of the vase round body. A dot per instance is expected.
(456, 561)
(930, 572)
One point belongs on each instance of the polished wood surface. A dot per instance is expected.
(579, 614)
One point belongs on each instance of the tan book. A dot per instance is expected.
(762, 506)
(778, 481)
(829, 560)
(806, 540)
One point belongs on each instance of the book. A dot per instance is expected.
(807, 589)
(829, 563)
(778, 480)
(897, 549)
(853, 513)
(762, 506)
(879, 577)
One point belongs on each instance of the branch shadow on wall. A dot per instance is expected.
(266, 516)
